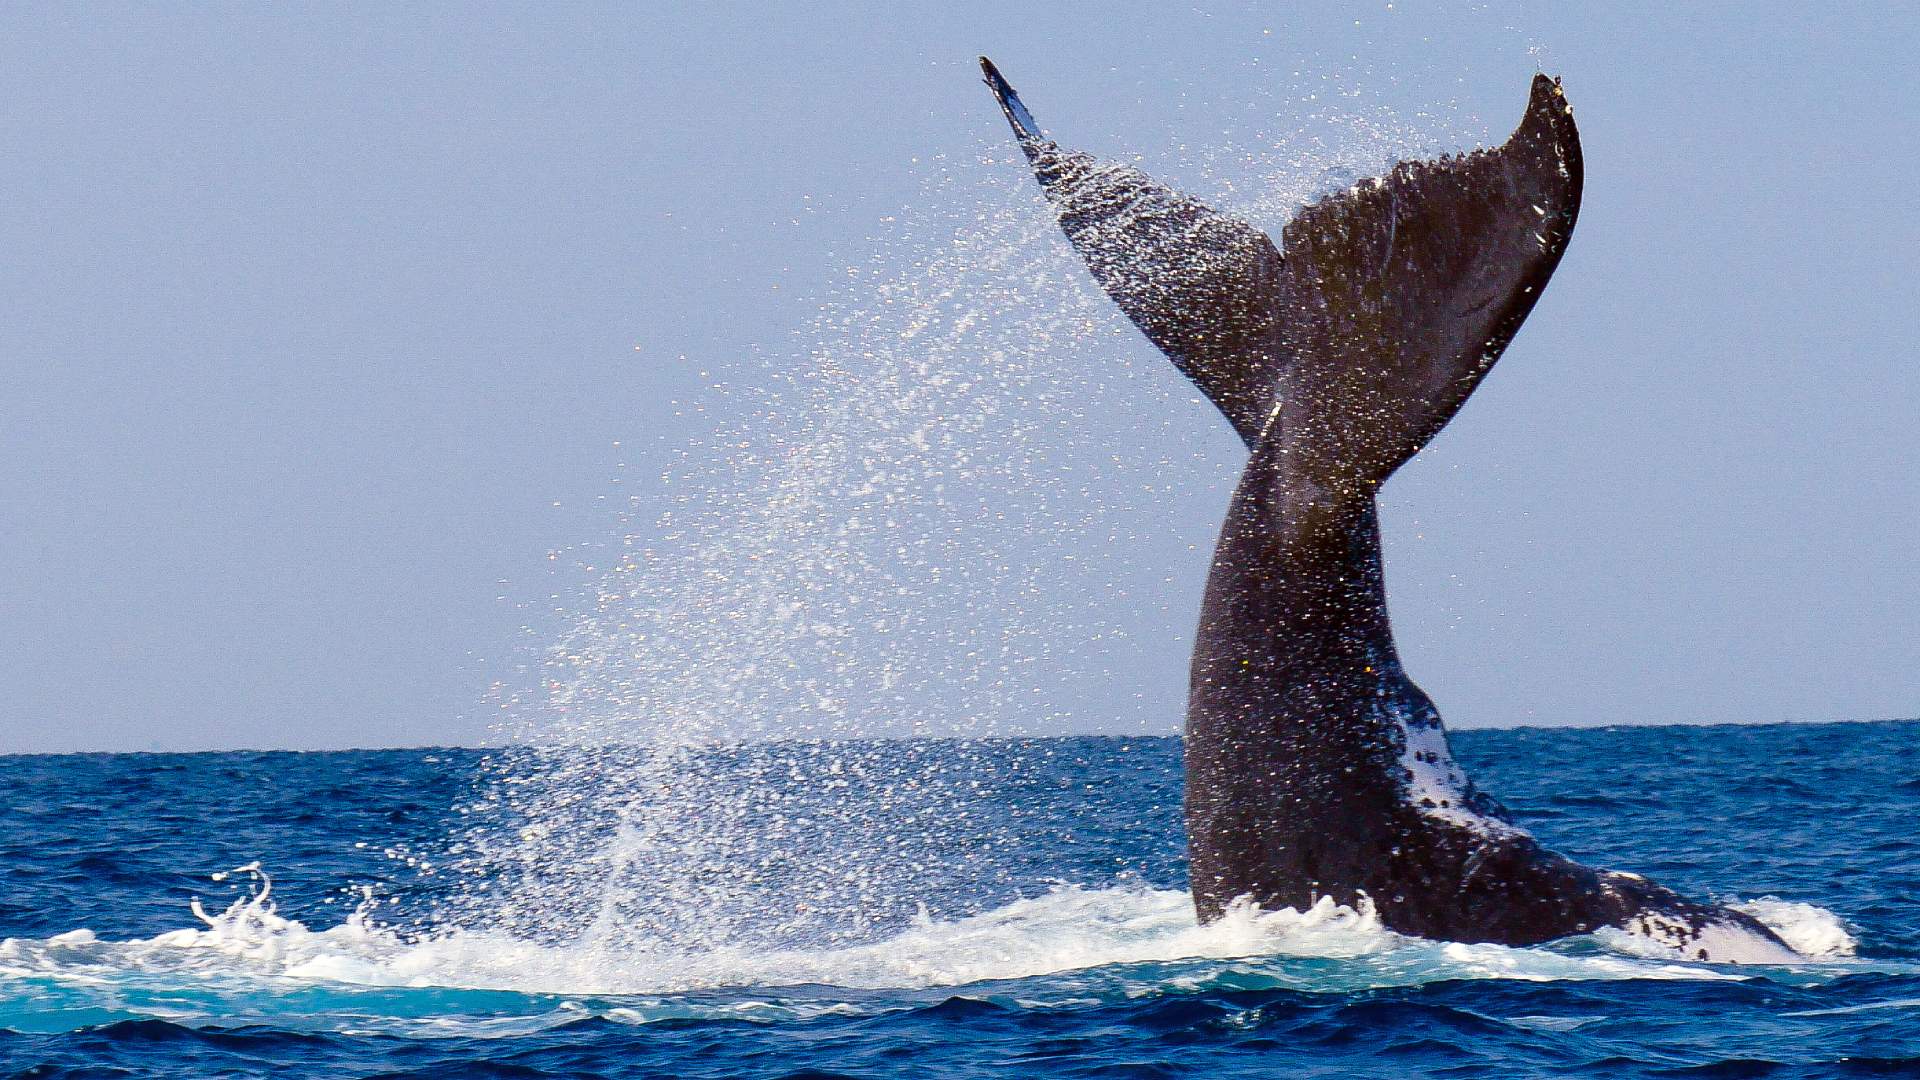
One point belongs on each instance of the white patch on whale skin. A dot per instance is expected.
(1432, 783)
(1656, 934)
(1435, 785)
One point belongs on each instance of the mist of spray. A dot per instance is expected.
(926, 525)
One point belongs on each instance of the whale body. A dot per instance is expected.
(1314, 766)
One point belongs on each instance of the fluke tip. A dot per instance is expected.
(1025, 128)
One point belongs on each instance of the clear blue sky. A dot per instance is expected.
(322, 323)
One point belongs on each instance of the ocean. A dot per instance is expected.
(932, 908)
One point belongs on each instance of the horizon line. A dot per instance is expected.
(735, 743)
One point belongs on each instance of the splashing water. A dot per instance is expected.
(1068, 929)
(894, 542)
(901, 539)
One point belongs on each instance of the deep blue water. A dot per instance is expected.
(910, 921)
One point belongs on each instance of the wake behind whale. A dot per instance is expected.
(1315, 767)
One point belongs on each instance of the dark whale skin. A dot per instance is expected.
(1315, 767)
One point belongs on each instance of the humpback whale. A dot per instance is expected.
(1314, 766)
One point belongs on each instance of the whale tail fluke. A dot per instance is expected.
(1381, 309)
(1202, 285)
(1402, 291)
(1024, 128)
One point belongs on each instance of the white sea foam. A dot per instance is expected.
(1098, 943)
(1811, 931)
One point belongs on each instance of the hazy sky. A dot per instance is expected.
(322, 323)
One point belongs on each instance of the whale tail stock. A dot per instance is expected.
(1315, 767)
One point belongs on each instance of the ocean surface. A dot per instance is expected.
(927, 909)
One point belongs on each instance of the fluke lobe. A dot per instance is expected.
(1315, 767)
